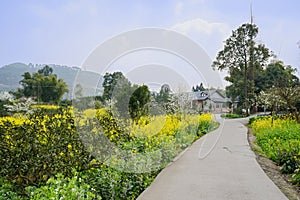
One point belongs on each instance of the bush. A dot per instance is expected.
(111, 183)
(232, 116)
(61, 187)
(7, 191)
(40, 146)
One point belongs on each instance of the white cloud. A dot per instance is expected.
(202, 26)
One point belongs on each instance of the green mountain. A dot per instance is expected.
(91, 83)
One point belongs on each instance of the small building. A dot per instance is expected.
(210, 100)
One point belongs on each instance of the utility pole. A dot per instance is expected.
(251, 60)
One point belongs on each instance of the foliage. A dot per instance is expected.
(163, 101)
(40, 146)
(139, 103)
(114, 184)
(62, 187)
(7, 191)
(199, 87)
(279, 75)
(53, 141)
(113, 84)
(164, 95)
(284, 98)
(232, 116)
(280, 140)
(244, 60)
(5, 99)
(43, 85)
(20, 106)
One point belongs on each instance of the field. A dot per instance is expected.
(63, 153)
(279, 140)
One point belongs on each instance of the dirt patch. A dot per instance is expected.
(273, 171)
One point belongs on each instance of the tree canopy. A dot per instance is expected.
(280, 88)
(244, 59)
(42, 85)
(199, 87)
(113, 83)
(139, 102)
(126, 100)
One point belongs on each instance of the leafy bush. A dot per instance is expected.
(40, 146)
(7, 191)
(63, 188)
(232, 116)
(111, 183)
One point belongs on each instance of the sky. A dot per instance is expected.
(66, 32)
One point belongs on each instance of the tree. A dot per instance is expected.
(279, 75)
(43, 85)
(5, 99)
(112, 84)
(282, 87)
(117, 92)
(139, 103)
(198, 88)
(46, 71)
(243, 59)
(164, 94)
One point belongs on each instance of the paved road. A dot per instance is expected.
(220, 165)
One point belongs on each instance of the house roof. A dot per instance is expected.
(200, 95)
(213, 95)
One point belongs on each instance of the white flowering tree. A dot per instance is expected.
(5, 98)
(21, 106)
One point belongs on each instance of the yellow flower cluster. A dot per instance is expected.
(279, 139)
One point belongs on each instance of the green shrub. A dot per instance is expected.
(36, 148)
(111, 183)
(232, 116)
(7, 191)
(61, 187)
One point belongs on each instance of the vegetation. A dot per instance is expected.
(199, 87)
(256, 81)
(43, 86)
(59, 152)
(279, 140)
(280, 89)
(232, 115)
(139, 103)
(244, 59)
(112, 146)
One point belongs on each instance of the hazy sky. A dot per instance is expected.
(66, 31)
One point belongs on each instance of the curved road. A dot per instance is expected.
(219, 165)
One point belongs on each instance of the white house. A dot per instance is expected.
(210, 100)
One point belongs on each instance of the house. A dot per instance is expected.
(210, 100)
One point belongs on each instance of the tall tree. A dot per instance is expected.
(243, 58)
(112, 84)
(139, 102)
(43, 85)
(164, 95)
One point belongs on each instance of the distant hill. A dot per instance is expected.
(10, 76)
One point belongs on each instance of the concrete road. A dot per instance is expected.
(220, 165)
